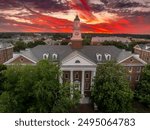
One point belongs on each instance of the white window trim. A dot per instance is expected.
(45, 56)
(54, 56)
(108, 56)
(99, 57)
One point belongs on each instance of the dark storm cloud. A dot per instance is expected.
(48, 5)
(8, 4)
(97, 7)
(126, 8)
(41, 5)
(120, 3)
(115, 6)
(123, 8)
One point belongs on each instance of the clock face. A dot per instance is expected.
(76, 33)
(77, 24)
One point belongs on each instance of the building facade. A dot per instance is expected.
(6, 52)
(78, 63)
(144, 51)
(98, 40)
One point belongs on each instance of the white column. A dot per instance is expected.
(82, 86)
(71, 77)
(94, 73)
(71, 82)
(92, 76)
(60, 78)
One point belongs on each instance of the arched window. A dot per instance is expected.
(99, 57)
(54, 56)
(77, 61)
(45, 56)
(108, 56)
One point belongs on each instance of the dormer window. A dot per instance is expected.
(77, 61)
(54, 56)
(108, 56)
(45, 56)
(147, 47)
(99, 57)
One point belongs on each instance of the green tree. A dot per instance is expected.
(2, 77)
(19, 45)
(36, 89)
(65, 42)
(114, 43)
(111, 91)
(35, 43)
(143, 89)
(86, 41)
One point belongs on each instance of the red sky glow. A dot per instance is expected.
(97, 16)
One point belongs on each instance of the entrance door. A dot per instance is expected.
(77, 78)
(87, 84)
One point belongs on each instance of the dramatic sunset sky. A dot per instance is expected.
(97, 16)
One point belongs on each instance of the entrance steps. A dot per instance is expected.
(85, 106)
(85, 100)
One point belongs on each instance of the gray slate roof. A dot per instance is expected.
(61, 51)
(89, 52)
(145, 46)
(5, 45)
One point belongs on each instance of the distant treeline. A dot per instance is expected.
(67, 35)
(21, 45)
(144, 36)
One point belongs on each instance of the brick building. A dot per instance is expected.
(78, 63)
(98, 40)
(144, 51)
(6, 52)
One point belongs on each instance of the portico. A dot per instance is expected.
(79, 71)
(81, 77)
